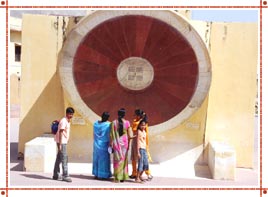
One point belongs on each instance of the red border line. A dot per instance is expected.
(261, 98)
(130, 188)
(134, 188)
(119, 7)
(7, 91)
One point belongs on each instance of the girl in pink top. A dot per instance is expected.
(143, 163)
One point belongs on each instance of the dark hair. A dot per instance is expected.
(121, 114)
(69, 110)
(105, 116)
(144, 117)
(143, 120)
(139, 112)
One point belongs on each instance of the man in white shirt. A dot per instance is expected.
(61, 138)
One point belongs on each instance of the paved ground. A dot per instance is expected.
(82, 177)
(245, 178)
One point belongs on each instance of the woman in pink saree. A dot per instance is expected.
(120, 131)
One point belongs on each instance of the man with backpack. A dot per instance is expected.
(61, 138)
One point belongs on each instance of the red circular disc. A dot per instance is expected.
(174, 63)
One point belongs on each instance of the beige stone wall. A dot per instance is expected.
(15, 66)
(80, 145)
(234, 56)
(15, 38)
(41, 92)
(42, 96)
(15, 90)
(14, 69)
(15, 23)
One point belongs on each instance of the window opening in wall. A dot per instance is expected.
(17, 52)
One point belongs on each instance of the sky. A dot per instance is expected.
(226, 15)
(220, 15)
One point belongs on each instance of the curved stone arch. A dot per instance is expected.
(78, 33)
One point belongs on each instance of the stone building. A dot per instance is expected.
(15, 65)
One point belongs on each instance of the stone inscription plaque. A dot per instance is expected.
(135, 73)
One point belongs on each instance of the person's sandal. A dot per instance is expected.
(150, 177)
(67, 179)
(139, 181)
(144, 180)
(132, 176)
(58, 178)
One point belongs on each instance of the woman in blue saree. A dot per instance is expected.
(101, 157)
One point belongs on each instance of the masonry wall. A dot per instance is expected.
(231, 109)
(41, 92)
(227, 113)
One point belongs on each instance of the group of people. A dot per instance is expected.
(115, 138)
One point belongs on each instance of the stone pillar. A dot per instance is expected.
(222, 161)
(40, 154)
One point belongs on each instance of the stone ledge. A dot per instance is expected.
(222, 161)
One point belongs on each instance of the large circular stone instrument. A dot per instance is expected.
(153, 60)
